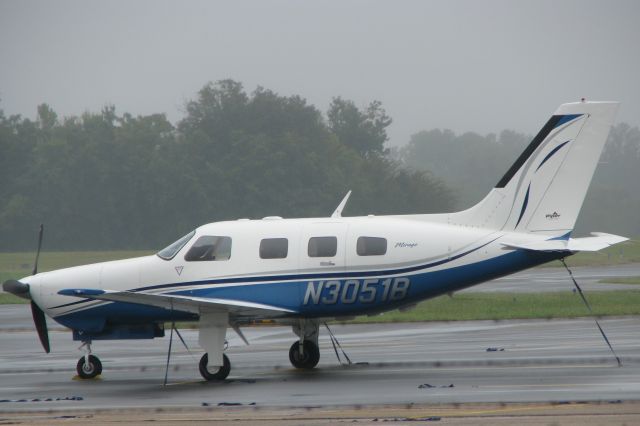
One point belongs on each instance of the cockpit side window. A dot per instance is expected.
(170, 251)
(209, 247)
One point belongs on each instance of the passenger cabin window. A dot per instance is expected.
(209, 247)
(322, 246)
(274, 248)
(168, 252)
(371, 246)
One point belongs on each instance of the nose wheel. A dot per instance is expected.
(306, 357)
(89, 367)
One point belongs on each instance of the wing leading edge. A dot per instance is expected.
(196, 305)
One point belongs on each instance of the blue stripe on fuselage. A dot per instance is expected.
(291, 294)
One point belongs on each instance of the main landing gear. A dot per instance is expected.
(305, 356)
(304, 353)
(89, 366)
(218, 373)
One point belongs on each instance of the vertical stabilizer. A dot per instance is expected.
(544, 189)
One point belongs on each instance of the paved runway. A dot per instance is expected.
(542, 360)
(557, 360)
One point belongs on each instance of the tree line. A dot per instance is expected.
(117, 181)
(471, 164)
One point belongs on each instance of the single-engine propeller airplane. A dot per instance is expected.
(299, 272)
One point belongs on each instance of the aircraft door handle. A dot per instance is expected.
(329, 263)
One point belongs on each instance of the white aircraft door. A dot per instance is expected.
(322, 246)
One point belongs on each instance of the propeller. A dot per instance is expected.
(41, 326)
(22, 290)
(35, 264)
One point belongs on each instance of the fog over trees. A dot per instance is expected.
(111, 180)
(471, 164)
(106, 181)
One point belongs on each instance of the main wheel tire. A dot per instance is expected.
(222, 372)
(309, 357)
(89, 370)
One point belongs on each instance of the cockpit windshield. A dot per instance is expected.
(170, 251)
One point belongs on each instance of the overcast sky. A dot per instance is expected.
(463, 65)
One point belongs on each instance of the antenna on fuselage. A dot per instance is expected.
(338, 211)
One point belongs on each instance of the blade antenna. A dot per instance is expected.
(35, 265)
(338, 211)
(584, 299)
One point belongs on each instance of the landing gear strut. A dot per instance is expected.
(89, 366)
(220, 374)
(305, 353)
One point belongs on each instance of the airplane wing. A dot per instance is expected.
(197, 305)
(598, 241)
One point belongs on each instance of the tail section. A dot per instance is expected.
(544, 189)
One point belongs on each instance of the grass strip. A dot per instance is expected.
(620, 280)
(619, 254)
(490, 306)
(18, 265)
(10, 299)
(502, 306)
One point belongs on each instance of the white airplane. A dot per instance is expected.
(302, 271)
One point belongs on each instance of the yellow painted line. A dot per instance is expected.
(78, 378)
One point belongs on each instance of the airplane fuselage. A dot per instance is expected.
(409, 259)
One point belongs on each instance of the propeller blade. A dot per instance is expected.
(17, 288)
(41, 326)
(35, 265)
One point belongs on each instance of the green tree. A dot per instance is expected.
(105, 181)
(363, 131)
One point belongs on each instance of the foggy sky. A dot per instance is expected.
(464, 65)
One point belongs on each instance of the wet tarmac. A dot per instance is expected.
(426, 363)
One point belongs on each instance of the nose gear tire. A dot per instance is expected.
(89, 370)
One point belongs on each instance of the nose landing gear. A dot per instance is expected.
(89, 366)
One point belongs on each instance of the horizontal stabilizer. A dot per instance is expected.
(598, 241)
(196, 305)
